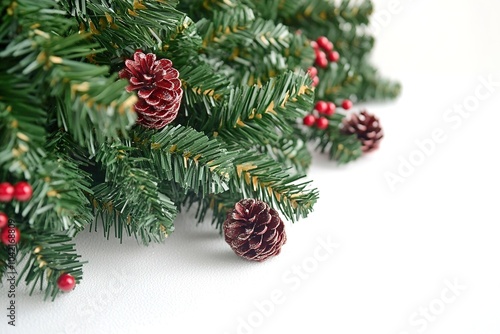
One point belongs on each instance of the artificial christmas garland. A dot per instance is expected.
(118, 113)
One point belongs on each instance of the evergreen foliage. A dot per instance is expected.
(67, 124)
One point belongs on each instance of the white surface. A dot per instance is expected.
(396, 248)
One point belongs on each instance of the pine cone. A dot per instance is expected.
(367, 127)
(159, 89)
(254, 230)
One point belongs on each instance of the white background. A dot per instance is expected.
(397, 248)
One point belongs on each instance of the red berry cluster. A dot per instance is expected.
(8, 235)
(21, 192)
(321, 108)
(324, 52)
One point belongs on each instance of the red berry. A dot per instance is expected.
(3, 220)
(23, 191)
(66, 282)
(10, 236)
(309, 120)
(314, 45)
(333, 56)
(323, 43)
(347, 104)
(321, 60)
(313, 71)
(322, 123)
(321, 107)
(315, 81)
(6, 192)
(330, 110)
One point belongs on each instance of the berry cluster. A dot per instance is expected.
(324, 52)
(326, 109)
(321, 108)
(21, 192)
(9, 235)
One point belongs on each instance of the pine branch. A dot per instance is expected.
(59, 188)
(291, 152)
(344, 148)
(129, 199)
(122, 26)
(374, 87)
(183, 45)
(341, 22)
(258, 51)
(258, 115)
(47, 255)
(59, 202)
(258, 176)
(220, 25)
(86, 103)
(22, 18)
(175, 192)
(95, 110)
(338, 82)
(4, 262)
(217, 204)
(22, 134)
(187, 157)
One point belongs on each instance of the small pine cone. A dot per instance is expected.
(367, 127)
(254, 230)
(159, 89)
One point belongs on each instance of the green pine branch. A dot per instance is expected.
(219, 25)
(291, 152)
(217, 205)
(254, 115)
(376, 88)
(128, 200)
(258, 176)
(79, 95)
(46, 256)
(4, 262)
(187, 157)
(22, 135)
(122, 26)
(59, 197)
(339, 81)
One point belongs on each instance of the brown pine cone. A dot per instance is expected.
(254, 230)
(367, 127)
(159, 89)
